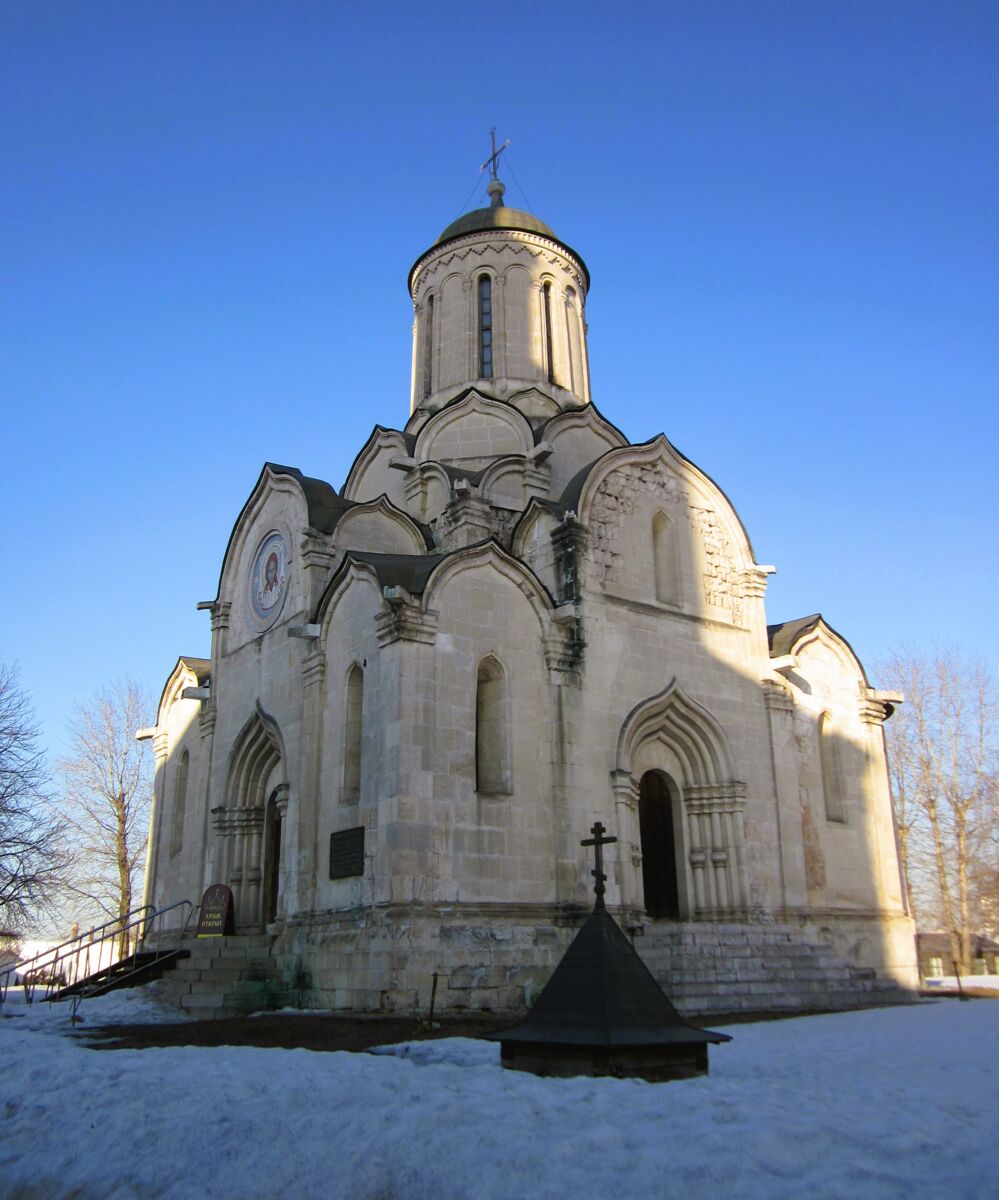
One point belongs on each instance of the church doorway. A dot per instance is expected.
(659, 858)
(272, 859)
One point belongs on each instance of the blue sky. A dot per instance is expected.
(207, 214)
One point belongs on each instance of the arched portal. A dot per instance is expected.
(244, 824)
(660, 874)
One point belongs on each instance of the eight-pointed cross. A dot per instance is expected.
(598, 841)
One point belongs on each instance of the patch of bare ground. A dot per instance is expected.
(309, 1031)
(332, 1031)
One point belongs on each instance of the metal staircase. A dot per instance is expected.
(105, 957)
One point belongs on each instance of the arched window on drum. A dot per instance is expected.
(485, 327)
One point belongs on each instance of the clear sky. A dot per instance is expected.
(208, 210)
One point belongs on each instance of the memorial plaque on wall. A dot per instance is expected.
(347, 853)
(216, 918)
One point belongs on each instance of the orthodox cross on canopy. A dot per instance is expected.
(494, 157)
(598, 841)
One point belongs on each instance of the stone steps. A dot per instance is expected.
(223, 977)
(747, 968)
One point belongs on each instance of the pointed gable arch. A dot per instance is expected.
(379, 526)
(273, 481)
(685, 728)
(492, 555)
(578, 437)
(509, 482)
(816, 636)
(473, 430)
(539, 515)
(428, 490)
(371, 474)
(187, 672)
(534, 404)
(350, 572)
(659, 466)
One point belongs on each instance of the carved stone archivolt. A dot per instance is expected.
(713, 799)
(239, 824)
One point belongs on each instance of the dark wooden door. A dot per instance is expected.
(272, 864)
(659, 869)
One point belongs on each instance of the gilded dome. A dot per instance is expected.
(496, 217)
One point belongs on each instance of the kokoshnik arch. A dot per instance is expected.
(509, 622)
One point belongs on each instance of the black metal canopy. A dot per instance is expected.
(602, 994)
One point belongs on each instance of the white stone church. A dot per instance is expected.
(507, 623)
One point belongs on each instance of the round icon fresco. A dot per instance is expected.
(269, 578)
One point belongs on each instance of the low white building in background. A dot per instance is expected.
(507, 623)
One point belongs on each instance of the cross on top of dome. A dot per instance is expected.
(495, 188)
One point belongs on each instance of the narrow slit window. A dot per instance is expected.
(352, 735)
(832, 780)
(179, 804)
(485, 327)
(664, 560)
(428, 348)
(546, 293)
(492, 741)
(570, 336)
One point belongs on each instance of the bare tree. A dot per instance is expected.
(944, 755)
(33, 857)
(107, 791)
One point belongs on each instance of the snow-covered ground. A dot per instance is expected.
(900, 1103)
(949, 983)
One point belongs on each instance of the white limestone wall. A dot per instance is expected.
(635, 655)
(496, 847)
(350, 641)
(845, 802)
(176, 865)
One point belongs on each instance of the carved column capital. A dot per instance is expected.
(403, 620)
(161, 746)
(877, 706)
(625, 788)
(777, 695)
(206, 719)
(280, 797)
(754, 581)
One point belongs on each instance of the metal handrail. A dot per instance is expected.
(77, 949)
(48, 957)
(77, 997)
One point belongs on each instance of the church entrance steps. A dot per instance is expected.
(747, 968)
(224, 977)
